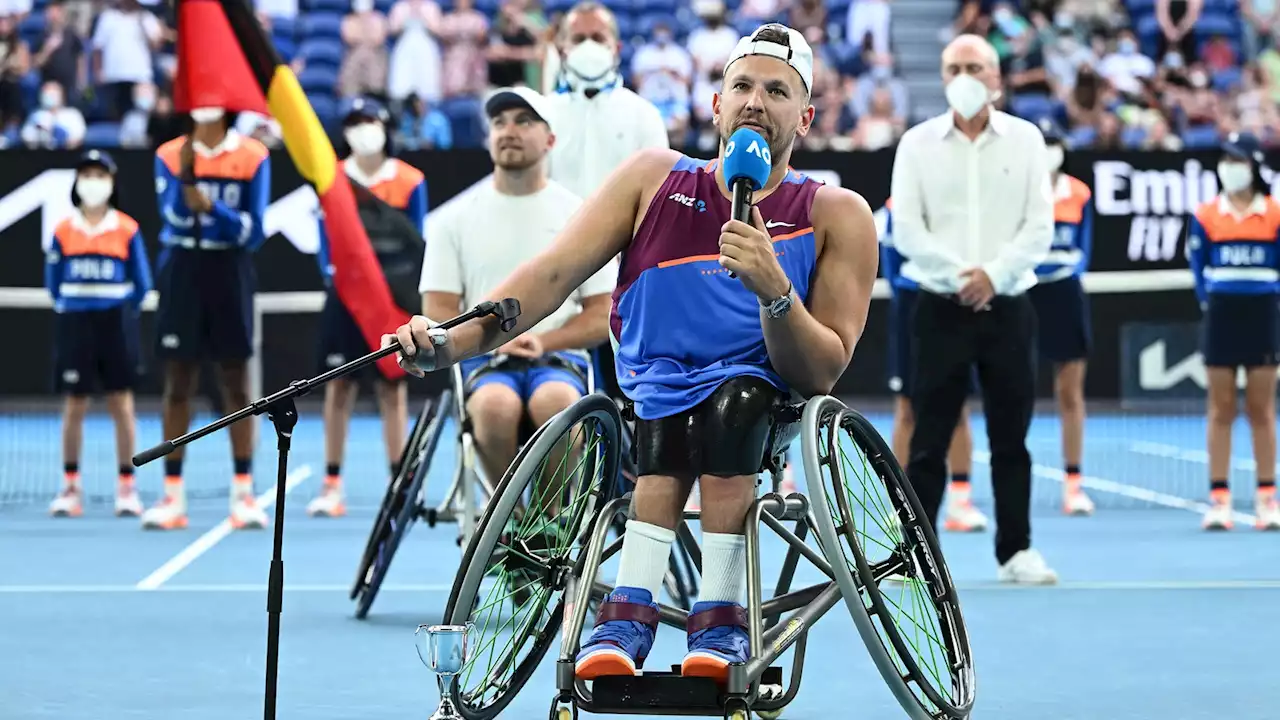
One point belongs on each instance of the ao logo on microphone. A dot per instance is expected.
(755, 148)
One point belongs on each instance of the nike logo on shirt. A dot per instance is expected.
(775, 223)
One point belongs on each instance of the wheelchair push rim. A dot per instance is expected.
(872, 527)
(401, 504)
(525, 548)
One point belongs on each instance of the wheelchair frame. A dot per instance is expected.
(460, 505)
(757, 685)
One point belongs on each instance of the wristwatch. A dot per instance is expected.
(780, 306)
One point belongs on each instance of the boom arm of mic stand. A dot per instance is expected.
(507, 311)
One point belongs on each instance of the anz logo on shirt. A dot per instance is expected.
(687, 201)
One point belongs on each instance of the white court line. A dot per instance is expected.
(1120, 586)
(1173, 452)
(1122, 489)
(216, 535)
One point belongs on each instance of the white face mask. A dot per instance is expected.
(967, 95)
(94, 192)
(1055, 157)
(590, 64)
(366, 138)
(1235, 176)
(207, 114)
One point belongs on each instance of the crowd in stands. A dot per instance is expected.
(1143, 74)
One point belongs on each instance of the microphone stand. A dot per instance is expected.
(280, 408)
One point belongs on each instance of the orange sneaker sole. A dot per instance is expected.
(699, 666)
(604, 664)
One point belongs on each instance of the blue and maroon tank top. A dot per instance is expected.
(680, 326)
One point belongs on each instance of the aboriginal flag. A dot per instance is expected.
(226, 60)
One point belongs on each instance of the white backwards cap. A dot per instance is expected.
(799, 55)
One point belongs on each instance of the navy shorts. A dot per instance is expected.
(1241, 331)
(1062, 316)
(96, 350)
(902, 311)
(206, 305)
(526, 380)
(341, 340)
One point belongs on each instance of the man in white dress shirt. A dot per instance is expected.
(973, 212)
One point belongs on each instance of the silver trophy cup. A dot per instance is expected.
(444, 649)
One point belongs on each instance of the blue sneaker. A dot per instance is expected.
(625, 625)
(717, 637)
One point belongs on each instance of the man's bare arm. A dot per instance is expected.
(600, 230)
(583, 331)
(441, 306)
(812, 345)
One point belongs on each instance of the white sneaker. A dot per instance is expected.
(1219, 514)
(128, 504)
(962, 516)
(169, 514)
(1076, 503)
(245, 512)
(69, 503)
(329, 503)
(1027, 568)
(1267, 508)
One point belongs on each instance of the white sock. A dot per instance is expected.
(724, 567)
(646, 551)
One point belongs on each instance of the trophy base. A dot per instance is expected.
(446, 711)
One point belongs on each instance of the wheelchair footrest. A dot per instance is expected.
(663, 693)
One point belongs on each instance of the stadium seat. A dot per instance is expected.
(325, 106)
(464, 119)
(646, 23)
(286, 47)
(341, 7)
(1082, 136)
(102, 135)
(1033, 106)
(838, 9)
(1217, 23)
(1227, 80)
(318, 80)
(321, 52)
(656, 6)
(317, 25)
(1131, 137)
(488, 7)
(1201, 137)
(557, 6)
(282, 27)
(31, 29)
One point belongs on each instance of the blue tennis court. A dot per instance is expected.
(1154, 618)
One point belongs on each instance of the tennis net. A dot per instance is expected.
(1144, 439)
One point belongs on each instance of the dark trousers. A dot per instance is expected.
(949, 340)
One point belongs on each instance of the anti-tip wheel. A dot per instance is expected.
(770, 714)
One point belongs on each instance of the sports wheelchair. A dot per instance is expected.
(871, 537)
(404, 502)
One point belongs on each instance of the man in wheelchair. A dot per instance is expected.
(714, 322)
(481, 239)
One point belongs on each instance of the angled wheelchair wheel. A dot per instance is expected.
(887, 563)
(518, 564)
(401, 505)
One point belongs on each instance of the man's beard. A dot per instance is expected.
(517, 161)
(779, 142)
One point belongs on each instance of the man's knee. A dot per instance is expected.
(495, 409)
(180, 381)
(550, 399)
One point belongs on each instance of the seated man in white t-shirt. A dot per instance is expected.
(476, 242)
